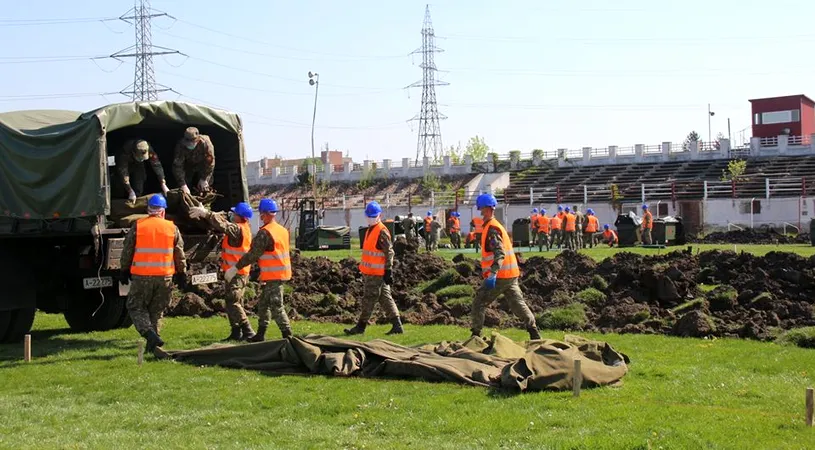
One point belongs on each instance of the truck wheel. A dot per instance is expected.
(80, 311)
(15, 324)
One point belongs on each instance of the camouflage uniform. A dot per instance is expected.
(375, 288)
(192, 166)
(579, 224)
(409, 227)
(150, 296)
(435, 235)
(455, 236)
(235, 288)
(507, 286)
(270, 304)
(131, 172)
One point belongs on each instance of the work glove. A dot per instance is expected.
(131, 196)
(388, 278)
(489, 283)
(203, 186)
(185, 189)
(196, 212)
(164, 189)
(124, 277)
(230, 274)
(180, 280)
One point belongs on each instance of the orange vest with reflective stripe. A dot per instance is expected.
(593, 225)
(509, 266)
(479, 224)
(231, 255)
(533, 220)
(571, 219)
(556, 222)
(373, 259)
(155, 240)
(647, 220)
(427, 224)
(609, 234)
(543, 224)
(456, 225)
(276, 264)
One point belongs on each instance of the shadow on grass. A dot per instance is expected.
(47, 343)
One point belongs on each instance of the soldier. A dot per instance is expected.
(591, 229)
(409, 225)
(499, 268)
(544, 226)
(237, 241)
(580, 225)
(194, 160)
(376, 265)
(476, 225)
(270, 249)
(152, 258)
(130, 167)
(428, 229)
(557, 227)
(533, 227)
(647, 225)
(454, 229)
(569, 228)
(435, 233)
(609, 236)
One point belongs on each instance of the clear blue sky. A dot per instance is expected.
(522, 74)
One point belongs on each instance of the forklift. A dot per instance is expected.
(311, 235)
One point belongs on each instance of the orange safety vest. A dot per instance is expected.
(470, 237)
(275, 265)
(556, 222)
(571, 219)
(428, 227)
(608, 234)
(456, 226)
(509, 266)
(543, 224)
(373, 259)
(647, 220)
(231, 255)
(479, 224)
(593, 225)
(155, 240)
(533, 220)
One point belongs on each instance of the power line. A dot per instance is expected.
(66, 21)
(628, 40)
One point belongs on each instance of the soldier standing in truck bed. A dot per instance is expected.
(194, 161)
(130, 168)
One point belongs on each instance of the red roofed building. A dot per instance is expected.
(793, 115)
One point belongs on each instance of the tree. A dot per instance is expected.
(735, 170)
(454, 152)
(477, 149)
(303, 176)
(692, 137)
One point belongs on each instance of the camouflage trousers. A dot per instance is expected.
(455, 239)
(514, 297)
(646, 236)
(533, 238)
(147, 300)
(557, 238)
(570, 238)
(234, 301)
(271, 306)
(477, 242)
(588, 239)
(543, 240)
(376, 291)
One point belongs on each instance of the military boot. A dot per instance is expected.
(397, 326)
(286, 332)
(534, 334)
(359, 328)
(247, 333)
(235, 335)
(153, 340)
(260, 336)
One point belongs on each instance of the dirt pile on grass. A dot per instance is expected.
(751, 236)
(626, 293)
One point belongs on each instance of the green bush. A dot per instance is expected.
(697, 303)
(459, 301)
(456, 290)
(447, 278)
(641, 316)
(801, 337)
(599, 283)
(562, 297)
(590, 296)
(569, 317)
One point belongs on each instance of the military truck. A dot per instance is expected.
(59, 244)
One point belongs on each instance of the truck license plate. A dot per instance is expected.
(204, 278)
(97, 282)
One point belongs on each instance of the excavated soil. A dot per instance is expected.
(750, 236)
(642, 294)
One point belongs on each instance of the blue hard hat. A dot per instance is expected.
(485, 200)
(268, 205)
(243, 209)
(560, 207)
(543, 211)
(429, 213)
(606, 226)
(535, 210)
(589, 211)
(644, 206)
(456, 214)
(373, 209)
(157, 201)
(567, 209)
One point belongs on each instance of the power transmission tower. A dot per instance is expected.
(429, 129)
(144, 87)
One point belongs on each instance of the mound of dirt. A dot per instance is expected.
(751, 236)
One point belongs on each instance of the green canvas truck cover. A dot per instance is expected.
(54, 163)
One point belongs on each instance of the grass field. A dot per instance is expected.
(86, 391)
(598, 253)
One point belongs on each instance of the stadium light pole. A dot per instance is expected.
(709, 115)
(314, 80)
